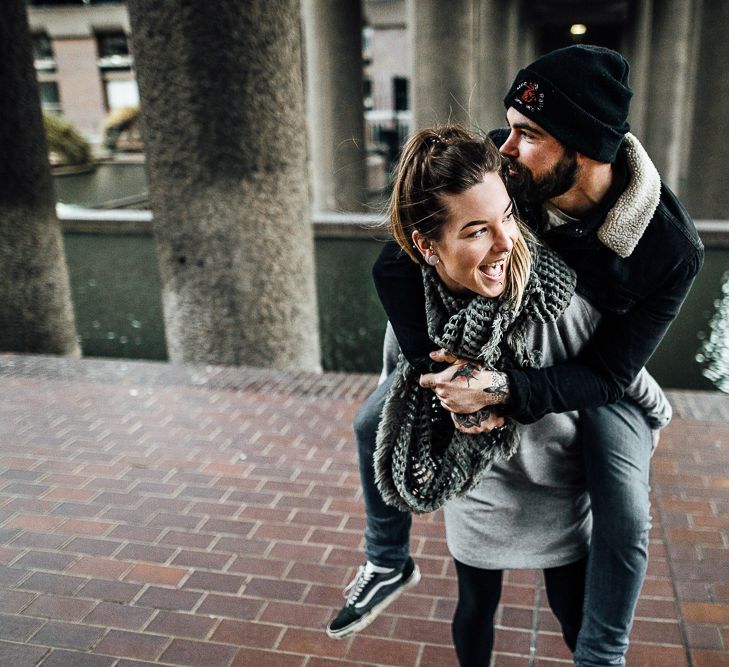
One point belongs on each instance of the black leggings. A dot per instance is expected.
(479, 592)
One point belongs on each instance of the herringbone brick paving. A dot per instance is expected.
(154, 514)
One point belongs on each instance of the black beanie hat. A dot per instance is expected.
(580, 95)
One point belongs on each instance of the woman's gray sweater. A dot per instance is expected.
(533, 511)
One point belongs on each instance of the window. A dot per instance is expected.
(45, 72)
(400, 93)
(121, 92)
(43, 58)
(367, 93)
(42, 47)
(115, 63)
(113, 49)
(50, 100)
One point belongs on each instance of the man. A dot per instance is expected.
(588, 187)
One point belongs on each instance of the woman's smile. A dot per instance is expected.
(495, 270)
(476, 241)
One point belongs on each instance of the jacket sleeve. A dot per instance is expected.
(399, 285)
(621, 346)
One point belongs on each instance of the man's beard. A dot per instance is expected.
(524, 187)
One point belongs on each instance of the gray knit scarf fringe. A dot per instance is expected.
(415, 469)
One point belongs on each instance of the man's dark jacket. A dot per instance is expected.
(636, 257)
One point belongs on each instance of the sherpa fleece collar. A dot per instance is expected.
(628, 218)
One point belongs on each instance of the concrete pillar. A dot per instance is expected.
(79, 83)
(637, 48)
(222, 95)
(465, 55)
(35, 298)
(706, 193)
(443, 36)
(501, 51)
(335, 109)
(527, 35)
(668, 90)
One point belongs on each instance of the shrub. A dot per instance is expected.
(65, 143)
(121, 121)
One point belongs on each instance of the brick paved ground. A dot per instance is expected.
(152, 514)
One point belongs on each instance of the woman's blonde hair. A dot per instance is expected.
(448, 160)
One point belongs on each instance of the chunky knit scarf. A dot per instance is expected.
(419, 462)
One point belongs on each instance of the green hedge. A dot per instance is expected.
(65, 141)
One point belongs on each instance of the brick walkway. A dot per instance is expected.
(152, 514)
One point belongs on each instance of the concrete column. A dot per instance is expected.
(502, 41)
(222, 97)
(443, 53)
(668, 86)
(706, 192)
(465, 55)
(527, 34)
(637, 48)
(35, 297)
(335, 110)
(79, 83)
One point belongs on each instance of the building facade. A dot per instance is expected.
(83, 60)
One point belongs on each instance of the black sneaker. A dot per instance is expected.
(373, 589)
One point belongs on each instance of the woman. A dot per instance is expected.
(516, 495)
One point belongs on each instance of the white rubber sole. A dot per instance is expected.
(373, 613)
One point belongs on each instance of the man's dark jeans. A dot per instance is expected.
(617, 447)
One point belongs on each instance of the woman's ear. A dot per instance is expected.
(421, 243)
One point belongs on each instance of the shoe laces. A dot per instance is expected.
(356, 586)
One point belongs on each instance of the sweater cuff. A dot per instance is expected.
(519, 393)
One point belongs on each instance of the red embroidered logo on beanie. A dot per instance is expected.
(527, 93)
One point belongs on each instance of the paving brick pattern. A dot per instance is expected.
(691, 498)
(155, 514)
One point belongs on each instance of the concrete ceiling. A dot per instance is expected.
(578, 11)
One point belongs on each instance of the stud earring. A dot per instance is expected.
(433, 259)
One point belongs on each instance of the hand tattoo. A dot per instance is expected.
(499, 387)
(467, 371)
(473, 418)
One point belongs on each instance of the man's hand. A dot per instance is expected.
(444, 356)
(478, 422)
(465, 387)
(655, 437)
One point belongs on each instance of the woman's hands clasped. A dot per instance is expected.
(469, 392)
